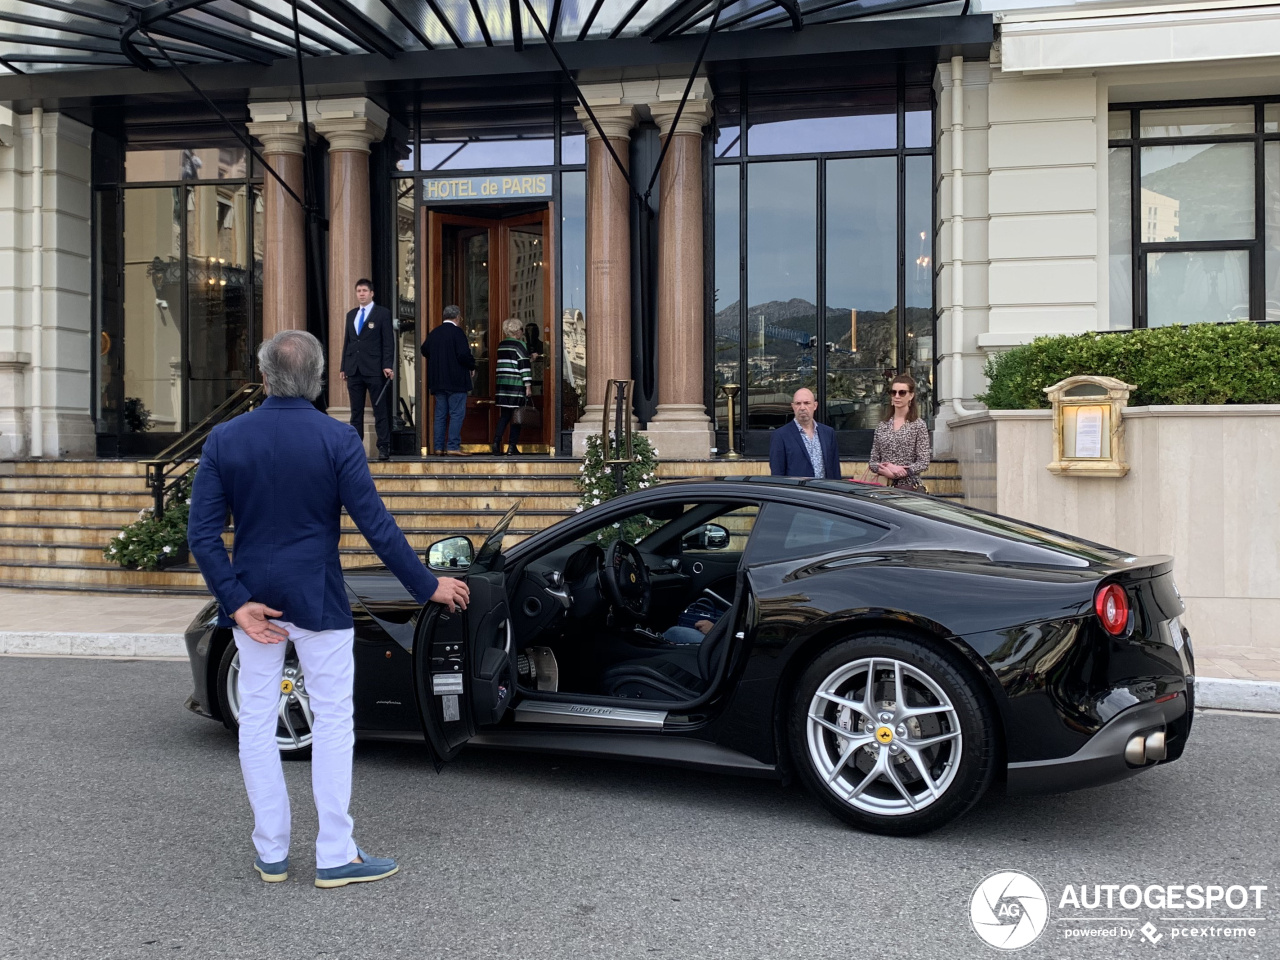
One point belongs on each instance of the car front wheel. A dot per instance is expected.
(890, 736)
(294, 720)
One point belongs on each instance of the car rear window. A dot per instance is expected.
(785, 532)
(992, 523)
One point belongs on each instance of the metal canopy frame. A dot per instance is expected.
(42, 36)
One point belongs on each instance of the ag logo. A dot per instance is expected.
(1009, 910)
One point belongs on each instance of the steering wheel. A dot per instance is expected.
(626, 579)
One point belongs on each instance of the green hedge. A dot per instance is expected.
(1202, 363)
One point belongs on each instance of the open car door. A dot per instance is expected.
(464, 663)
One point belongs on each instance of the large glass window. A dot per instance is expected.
(1189, 240)
(180, 290)
(832, 196)
(573, 320)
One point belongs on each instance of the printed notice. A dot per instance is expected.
(1089, 432)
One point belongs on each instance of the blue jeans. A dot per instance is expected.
(452, 406)
(683, 635)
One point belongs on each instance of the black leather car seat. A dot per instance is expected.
(677, 675)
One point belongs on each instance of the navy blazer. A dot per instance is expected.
(371, 351)
(449, 359)
(788, 457)
(285, 471)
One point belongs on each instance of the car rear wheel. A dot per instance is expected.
(294, 718)
(890, 735)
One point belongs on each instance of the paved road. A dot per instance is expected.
(125, 834)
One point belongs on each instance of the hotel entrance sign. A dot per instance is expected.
(514, 186)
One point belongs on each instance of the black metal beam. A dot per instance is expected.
(326, 21)
(626, 18)
(84, 30)
(257, 29)
(78, 9)
(812, 11)
(517, 30)
(419, 8)
(484, 27)
(362, 26)
(971, 35)
(674, 18)
(278, 18)
(591, 18)
(554, 24)
(190, 32)
(446, 23)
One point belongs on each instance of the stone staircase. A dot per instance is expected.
(57, 515)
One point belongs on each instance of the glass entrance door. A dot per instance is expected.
(493, 269)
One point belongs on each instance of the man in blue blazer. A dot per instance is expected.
(284, 472)
(804, 447)
(368, 362)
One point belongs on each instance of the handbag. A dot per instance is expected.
(871, 478)
(910, 484)
(527, 416)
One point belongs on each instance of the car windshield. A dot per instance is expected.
(987, 523)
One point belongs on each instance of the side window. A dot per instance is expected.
(787, 531)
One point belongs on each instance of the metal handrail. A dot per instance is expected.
(172, 464)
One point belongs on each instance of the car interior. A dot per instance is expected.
(640, 607)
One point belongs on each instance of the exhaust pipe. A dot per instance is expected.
(1135, 751)
(1155, 749)
(1140, 751)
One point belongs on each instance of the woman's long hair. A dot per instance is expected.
(913, 404)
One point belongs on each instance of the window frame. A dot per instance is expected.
(1140, 249)
(853, 442)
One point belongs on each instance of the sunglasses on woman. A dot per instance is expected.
(901, 393)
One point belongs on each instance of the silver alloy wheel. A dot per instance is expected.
(884, 737)
(295, 720)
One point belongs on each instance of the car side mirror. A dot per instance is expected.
(455, 553)
(710, 536)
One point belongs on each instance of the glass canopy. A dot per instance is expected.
(44, 35)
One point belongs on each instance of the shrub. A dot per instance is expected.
(1202, 363)
(145, 543)
(596, 481)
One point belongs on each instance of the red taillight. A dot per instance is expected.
(1112, 606)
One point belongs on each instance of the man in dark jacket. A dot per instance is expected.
(449, 366)
(285, 472)
(804, 447)
(368, 362)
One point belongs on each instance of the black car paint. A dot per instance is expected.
(1018, 615)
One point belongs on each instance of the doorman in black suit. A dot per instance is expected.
(368, 362)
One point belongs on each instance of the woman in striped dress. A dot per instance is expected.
(515, 383)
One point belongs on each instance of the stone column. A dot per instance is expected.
(13, 405)
(608, 261)
(349, 125)
(284, 261)
(681, 428)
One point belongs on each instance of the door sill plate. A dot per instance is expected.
(588, 715)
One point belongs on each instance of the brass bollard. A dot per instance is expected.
(730, 392)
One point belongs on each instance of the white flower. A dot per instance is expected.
(577, 509)
(120, 535)
(617, 524)
(168, 549)
(594, 502)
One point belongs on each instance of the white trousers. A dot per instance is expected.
(328, 674)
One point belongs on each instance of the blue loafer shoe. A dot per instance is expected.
(272, 872)
(373, 868)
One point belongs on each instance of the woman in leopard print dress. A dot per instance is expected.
(900, 451)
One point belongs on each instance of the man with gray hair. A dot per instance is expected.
(284, 472)
(449, 365)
